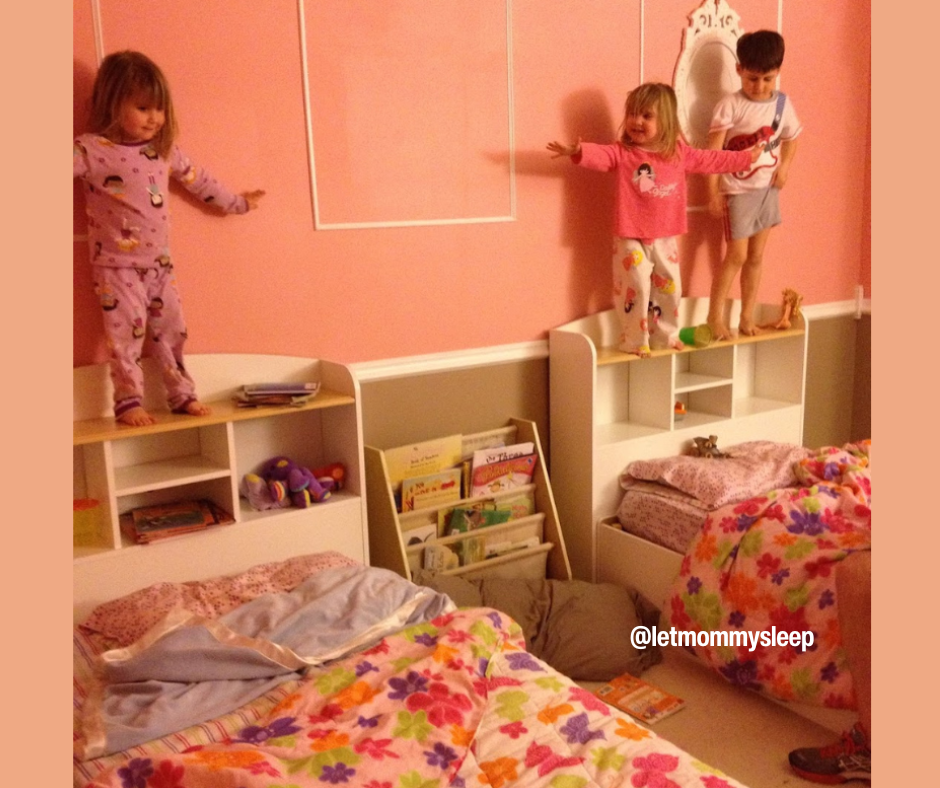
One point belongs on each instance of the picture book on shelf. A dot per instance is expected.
(422, 459)
(504, 475)
(420, 535)
(465, 519)
(146, 524)
(435, 489)
(500, 453)
(258, 389)
(254, 395)
(639, 699)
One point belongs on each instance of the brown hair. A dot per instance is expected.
(124, 75)
(662, 98)
(761, 51)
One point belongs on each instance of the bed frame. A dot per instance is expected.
(635, 562)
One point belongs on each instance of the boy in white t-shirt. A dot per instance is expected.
(758, 114)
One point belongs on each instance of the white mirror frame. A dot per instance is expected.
(708, 46)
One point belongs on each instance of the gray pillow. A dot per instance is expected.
(581, 629)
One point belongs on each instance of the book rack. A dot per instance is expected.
(389, 528)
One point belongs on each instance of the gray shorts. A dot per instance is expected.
(751, 212)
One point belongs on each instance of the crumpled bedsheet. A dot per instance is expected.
(187, 668)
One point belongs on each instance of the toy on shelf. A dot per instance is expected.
(791, 310)
(707, 448)
(680, 410)
(281, 482)
(697, 336)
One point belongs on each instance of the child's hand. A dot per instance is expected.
(756, 152)
(560, 149)
(253, 198)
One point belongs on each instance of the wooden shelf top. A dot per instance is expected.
(108, 429)
(611, 355)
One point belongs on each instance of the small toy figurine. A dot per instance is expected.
(679, 410)
(706, 448)
(791, 310)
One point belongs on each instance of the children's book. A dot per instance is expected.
(500, 453)
(171, 515)
(466, 519)
(150, 523)
(422, 459)
(260, 389)
(639, 699)
(420, 535)
(435, 489)
(504, 475)
(521, 505)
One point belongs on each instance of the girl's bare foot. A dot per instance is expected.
(643, 352)
(749, 329)
(196, 408)
(719, 330)
(677, 344)
(136, 417)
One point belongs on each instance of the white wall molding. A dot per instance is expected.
(383, 369)
(405, 366)
(320, 224)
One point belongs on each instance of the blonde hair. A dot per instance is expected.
(661, 98)
(125, 75)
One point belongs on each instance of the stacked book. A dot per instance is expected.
(147, 524)
(254, 395)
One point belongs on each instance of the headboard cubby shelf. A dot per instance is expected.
(608, 408)
(185, 457)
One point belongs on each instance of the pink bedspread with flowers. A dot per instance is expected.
(452, 702)
(769, 562)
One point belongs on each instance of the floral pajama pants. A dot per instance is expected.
(647, 291)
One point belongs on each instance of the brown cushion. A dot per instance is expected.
(581, 629)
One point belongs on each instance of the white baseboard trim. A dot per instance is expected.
(837, 309)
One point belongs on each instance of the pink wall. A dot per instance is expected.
(270, 282)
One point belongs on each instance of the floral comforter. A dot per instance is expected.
(769, 562)
(455, 701)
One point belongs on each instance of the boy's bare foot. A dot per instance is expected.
(749, 329)
(196, 408)
(136, 417)
(720, 331)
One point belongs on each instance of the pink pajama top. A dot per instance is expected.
(127, 199)
(651, 190)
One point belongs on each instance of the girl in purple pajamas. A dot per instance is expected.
(127, 161)
(650, 161)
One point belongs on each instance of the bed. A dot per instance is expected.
(773, 520)
(339, 674)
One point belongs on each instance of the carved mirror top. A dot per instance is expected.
(705, 70)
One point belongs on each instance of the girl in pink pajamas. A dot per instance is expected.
(127, 162)
(651, 162)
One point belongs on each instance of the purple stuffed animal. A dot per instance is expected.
(280, 483)
(286, 480)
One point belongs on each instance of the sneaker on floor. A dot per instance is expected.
(847, 759)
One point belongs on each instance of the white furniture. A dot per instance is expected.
(389, 528)
(609, 408)
(184, 457)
